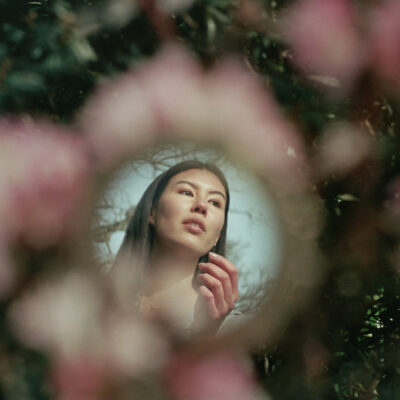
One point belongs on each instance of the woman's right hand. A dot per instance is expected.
(217, 294)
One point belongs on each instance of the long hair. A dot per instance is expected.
(139, 235)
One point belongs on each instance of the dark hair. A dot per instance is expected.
(139, 235)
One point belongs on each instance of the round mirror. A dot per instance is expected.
(268, 238)
(253, 235)
(224, 117)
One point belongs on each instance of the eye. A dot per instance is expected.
(186, 192)
(215, 203)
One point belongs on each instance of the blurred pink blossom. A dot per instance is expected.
(80, 378)
(252, 13)
(171, 95)
(62, 317)
(118, 119)
(73, 320)
(325, 40)
(44, 182)
(342, 148)
(251, 124)
(124, 116)
(384, 40)
(219, 376)
(133, 348)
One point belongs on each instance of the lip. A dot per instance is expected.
(195, 221)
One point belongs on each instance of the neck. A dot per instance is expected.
(168, 268)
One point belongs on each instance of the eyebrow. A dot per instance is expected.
(193, 185)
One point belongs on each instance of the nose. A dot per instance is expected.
(200, 207)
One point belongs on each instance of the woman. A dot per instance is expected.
(179, 227)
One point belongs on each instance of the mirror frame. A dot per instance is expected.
(274, 155)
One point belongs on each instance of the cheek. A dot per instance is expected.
(217, 228)
(168, 214)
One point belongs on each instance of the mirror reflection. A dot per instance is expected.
(188, 217)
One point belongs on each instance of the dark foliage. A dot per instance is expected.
(346, 344)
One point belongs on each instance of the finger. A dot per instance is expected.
(217, 290)
(208, 297)
(229, 268)
(220, 274)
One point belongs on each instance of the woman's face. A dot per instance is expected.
(191, 212)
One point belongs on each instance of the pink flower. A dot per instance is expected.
(74, 321)
(251, 13)
(325, 40)
(44, 183)
(81, 378)
(62, 317)
(119, 120)
(125, 116)
(342, 148)
(384, 40)
(131, 347)
(250, 123)
(219, 376)
(171, 96)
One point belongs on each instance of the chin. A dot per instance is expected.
(193, 248)
(183, 242)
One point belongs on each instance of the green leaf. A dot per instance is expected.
(347, 197)
(25, 81)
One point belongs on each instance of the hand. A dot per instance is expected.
(218, 291)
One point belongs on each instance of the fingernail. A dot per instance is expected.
(213, 254)
(200, 265)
